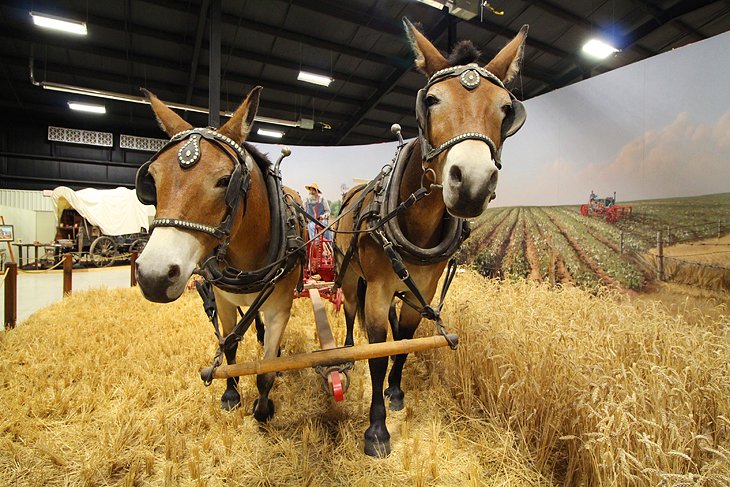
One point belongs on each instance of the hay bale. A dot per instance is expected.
(548, 386)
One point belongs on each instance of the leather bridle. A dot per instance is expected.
(188, 155)
(470, 76)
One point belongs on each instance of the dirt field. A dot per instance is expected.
(549, 386)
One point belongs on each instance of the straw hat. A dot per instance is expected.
(313, 186)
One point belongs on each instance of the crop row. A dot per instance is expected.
(582, 275)
(588, 246)
(539, 243)
(488, 259)
(514, 263)
(610, 261)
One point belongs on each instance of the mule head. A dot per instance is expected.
(464, 115)
(194, 193)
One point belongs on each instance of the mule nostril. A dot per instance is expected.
(455, 174)
(174, 272)
(492, 185)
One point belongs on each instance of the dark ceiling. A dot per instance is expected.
(163, 46)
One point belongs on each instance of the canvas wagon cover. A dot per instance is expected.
(116, 211)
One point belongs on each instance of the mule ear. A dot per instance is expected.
(170, 122)
(239, 126)
(428, 58)
(506, 64)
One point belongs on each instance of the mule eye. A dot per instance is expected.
(223, 182)
(431, 101)
(506, 108)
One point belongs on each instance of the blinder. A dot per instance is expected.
(470, 76)
(145, 185)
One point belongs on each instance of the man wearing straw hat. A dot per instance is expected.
(318, 207)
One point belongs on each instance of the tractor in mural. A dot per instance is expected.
(605, 208)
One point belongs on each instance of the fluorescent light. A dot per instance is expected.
(270, 133)
(58, 23)
(598, 49)
(85, 107)
(434, 3)
(316, 79)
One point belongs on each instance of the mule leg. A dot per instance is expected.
(349, 298)
(409, 321)
(263, 407)
(260, 330)
(230, 399)
(377, 438)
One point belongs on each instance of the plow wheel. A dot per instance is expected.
(332, 375)
(611, 215)
(584, 210)
(102, 251)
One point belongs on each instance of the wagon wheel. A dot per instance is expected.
(138, 246)
(102, 251)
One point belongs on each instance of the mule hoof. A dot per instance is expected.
(377, 448)
(230, 400)
(267, 414)
(396, 398)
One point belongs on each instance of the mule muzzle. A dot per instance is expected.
(469, 180)
(162, 286)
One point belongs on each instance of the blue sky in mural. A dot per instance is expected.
(658, 128)
(654, 129)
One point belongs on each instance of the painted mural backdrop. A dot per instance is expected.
(655, 129)
(657, 133)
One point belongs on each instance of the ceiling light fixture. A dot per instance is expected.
(58, 23)
(316, 79)
(598, 49)
(86, 107)
(303, 123)
(270, 133)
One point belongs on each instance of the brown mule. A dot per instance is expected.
(193, 182)
(464, 113)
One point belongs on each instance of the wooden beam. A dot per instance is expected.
(334, 356)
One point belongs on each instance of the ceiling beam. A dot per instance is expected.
(236, 51)
(682, 8)
(232, 19)
(199, 31)
(385, 87)
(673, 13)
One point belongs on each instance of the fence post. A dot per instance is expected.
(67, 269)
(132, 266)
(553, 262)
(11, 295)
(719, 229)
(660, 254)
(621, 238)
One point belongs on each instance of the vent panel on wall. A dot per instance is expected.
(147, 144)
(77, 136)
(27, 200)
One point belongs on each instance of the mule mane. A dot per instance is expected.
(464, 52)
(262, 160)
